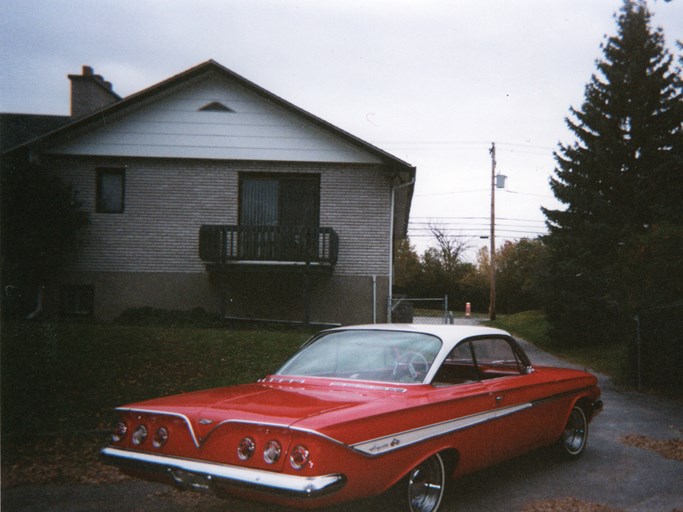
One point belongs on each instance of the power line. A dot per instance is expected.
(529, 194)
(500, 229)
(453, 192)
(479, 143)
(472, 223)
(481, 233)
(477, 227)
(436, 220)
(480, 190)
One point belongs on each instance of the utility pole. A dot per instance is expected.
(492, 299)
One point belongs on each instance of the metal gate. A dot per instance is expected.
(421, 310)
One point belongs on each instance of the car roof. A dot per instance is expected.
(449, 334)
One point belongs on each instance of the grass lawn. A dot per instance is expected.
(533, 327)
(61, 382)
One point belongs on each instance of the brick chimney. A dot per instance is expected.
(90, 93)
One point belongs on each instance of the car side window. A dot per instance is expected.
(458, 367)
(495, 357)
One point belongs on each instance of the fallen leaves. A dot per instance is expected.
(669, 448)
(567, 505)
(49, 460)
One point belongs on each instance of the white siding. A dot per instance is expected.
(166, 201)
(173, 127)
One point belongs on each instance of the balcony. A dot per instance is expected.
(234, 248)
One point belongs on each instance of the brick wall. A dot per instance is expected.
(166, 201)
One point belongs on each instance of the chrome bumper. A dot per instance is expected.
(201, 475)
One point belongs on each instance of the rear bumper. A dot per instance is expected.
(203, 475)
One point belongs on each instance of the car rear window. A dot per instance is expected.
(385, 356)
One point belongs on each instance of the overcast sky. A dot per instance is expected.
(433, 82)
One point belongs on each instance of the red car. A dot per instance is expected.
(359, 411)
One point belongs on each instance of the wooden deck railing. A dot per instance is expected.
(224, 244)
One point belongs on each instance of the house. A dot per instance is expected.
(207, 191)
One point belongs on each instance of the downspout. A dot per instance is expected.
(39, 304)
(374, 298)
(390, 297)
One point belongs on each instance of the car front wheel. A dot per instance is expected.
(575, 435)
(426, 483)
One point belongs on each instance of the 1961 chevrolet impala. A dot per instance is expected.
(359, 411)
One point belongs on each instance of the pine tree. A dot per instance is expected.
(619, 179)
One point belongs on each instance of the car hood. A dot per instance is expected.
(271, 403)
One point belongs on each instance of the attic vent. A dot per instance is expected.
(215, 106)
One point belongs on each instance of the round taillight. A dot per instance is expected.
(139, 435)
(119, 432)
(160, 437)
(272, 452)
(299, 457)
(246, 448)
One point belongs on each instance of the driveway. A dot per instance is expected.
(611, 473)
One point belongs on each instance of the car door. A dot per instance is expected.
(466, 400)
(518, 423)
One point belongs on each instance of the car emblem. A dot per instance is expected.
(204, 421)
(395, 442)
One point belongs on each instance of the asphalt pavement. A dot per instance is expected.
(610, 473)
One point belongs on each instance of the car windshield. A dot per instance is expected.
(375, 355)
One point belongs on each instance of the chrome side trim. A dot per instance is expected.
(394, 442)
(283, 380)
(373, 387)
(266, 480)
(398, 440)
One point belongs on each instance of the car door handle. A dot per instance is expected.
(499, 399)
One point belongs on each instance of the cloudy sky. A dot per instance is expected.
(434, 82)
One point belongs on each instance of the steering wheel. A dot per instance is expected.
(408, 359)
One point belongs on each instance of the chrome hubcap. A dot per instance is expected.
(575, 432)
(426, 485)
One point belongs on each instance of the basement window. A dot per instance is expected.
(77, 300)
(215, 106)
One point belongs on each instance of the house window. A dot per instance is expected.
(111, 186)
(279, 216)
(77, 300)
(289, 200)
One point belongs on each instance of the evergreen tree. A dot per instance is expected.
(406, 266)
(41, 220)
(519, 266)
(622, 177)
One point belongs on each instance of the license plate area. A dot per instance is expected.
(189, 480)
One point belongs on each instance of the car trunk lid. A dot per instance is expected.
(274, 403)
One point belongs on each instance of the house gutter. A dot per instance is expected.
(394, 188)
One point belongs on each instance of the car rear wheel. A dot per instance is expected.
(575, 435)
(426, 483)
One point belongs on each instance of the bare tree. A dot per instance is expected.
(450, 248)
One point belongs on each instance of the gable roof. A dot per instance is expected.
(58, 133)
(99, 117)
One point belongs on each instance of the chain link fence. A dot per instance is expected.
(421, 310)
